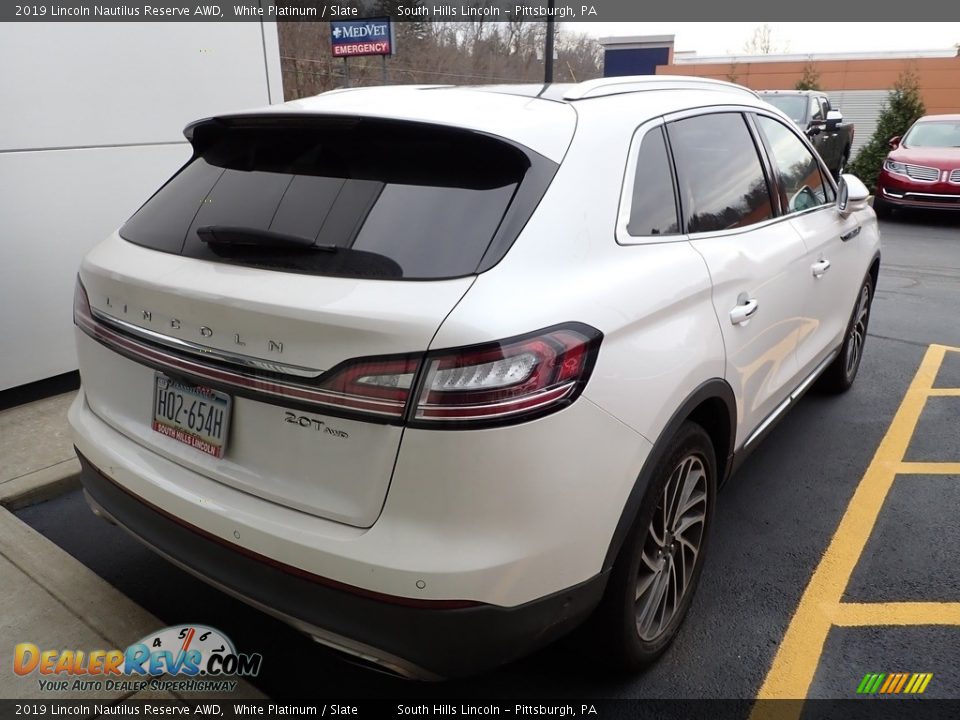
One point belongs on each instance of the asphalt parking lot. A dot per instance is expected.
(868, 483)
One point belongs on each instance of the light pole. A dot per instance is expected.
(548, 52)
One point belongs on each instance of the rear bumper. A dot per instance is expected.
(426, 643)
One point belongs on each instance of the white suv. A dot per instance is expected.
(436, 373)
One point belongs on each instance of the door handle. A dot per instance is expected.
(745, 309)
(820, 267)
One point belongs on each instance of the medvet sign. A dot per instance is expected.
(370, 36)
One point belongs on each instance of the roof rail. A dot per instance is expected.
(602, 87)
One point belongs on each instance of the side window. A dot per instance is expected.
(653, 209)
(722, 185)
(816, 112)
(801, 185)
(823, 107)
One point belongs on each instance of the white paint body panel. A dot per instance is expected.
(468, 513)
(821, 232)
(767, 265)
(500, 515)
(319, 321)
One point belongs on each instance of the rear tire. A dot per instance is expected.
(841, 373)
(656, 573)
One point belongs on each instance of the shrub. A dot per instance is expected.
(810, 79)
(902, 107)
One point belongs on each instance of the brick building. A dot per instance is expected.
(857, 83)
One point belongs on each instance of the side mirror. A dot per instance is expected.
(851, 195)
(834, 118)
(815, 128)
(894, 142)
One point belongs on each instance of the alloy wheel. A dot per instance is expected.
(671, 547)
(858, 333)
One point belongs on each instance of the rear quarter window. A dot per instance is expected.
(653, 206)
(363, 197)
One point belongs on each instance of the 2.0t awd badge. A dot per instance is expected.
(305, 421)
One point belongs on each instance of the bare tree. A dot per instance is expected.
(762, 42)
(461, 53)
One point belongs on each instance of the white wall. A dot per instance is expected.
(91, 120)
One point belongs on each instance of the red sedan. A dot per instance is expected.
(923, 167)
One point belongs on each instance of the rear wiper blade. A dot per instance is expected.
(232, 236)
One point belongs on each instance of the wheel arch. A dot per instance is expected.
(713, 406)
(875, 270)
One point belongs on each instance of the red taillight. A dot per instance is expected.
(378, 385)
(496, 383)
(506, 381)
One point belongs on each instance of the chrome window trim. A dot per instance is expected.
(630, 171)
(825, 174)
(713, 109)
(624, 208)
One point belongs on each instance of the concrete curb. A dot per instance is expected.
(37, 460)
(40, 485)
(43, 567)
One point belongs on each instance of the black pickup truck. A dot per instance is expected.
(811, 111)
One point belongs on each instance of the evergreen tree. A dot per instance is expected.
(810, 79)
(902, 107)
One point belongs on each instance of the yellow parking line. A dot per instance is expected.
(896, 613)
(929, 468)
(945, 392)
(796, 661)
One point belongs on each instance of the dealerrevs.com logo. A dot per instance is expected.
(200, 659)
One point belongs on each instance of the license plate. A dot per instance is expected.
(194, 415)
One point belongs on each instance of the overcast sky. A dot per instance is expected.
(729, 38)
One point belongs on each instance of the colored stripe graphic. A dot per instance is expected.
(891, 679)
(903, 679)
(894, 683)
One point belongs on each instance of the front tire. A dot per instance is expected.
(841, 373)
(656, 573)
(881, 207)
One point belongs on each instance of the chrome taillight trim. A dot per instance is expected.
(268, 389)
(204, 351)
(329, 393)
(528, 403)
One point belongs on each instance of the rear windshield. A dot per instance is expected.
(337, 196)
